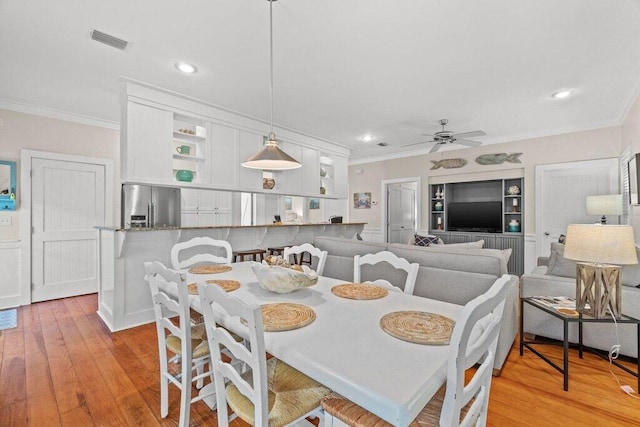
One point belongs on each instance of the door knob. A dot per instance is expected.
(546, 233)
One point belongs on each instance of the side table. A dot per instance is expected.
(580, 319)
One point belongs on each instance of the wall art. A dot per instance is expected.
(498, 158)
(448, 163)
(362, 200)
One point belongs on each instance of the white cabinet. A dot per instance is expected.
(290, 181)
(248, 144)
(341, 177)
(206, 208)
(224, 155)
(147, 151)
(310, 172)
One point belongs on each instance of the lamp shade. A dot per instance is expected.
(601, 244)
(610, 204)
(271, 158)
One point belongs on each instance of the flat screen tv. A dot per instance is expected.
(475, 216)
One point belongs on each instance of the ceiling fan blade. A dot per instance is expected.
(435, 148)
(471, 134)
(467, 142)
(428, 134)
(418, 143)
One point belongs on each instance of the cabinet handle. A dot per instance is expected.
(546, 233)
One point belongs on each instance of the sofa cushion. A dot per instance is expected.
(471, 245)
(558, 264)
(483, 261)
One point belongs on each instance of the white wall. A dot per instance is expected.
(26, 131)
(595, 144)
(630, 135)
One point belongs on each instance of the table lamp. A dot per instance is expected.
(609, 204)
(601, 250)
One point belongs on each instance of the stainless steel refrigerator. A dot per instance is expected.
(145, 206)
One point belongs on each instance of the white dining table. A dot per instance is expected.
(345, 348)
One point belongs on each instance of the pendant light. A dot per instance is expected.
(271, 157)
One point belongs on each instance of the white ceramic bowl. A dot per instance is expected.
(283, 280)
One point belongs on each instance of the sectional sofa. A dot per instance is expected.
(450, 273)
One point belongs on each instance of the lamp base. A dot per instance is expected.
(598, 290)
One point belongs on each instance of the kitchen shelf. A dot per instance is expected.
(181, 136)
(188, 158)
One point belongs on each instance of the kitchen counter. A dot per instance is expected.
(284, 224)
(124, 300)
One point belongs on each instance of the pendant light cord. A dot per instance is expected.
(271, 135)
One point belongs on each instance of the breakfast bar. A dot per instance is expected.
(124, 300)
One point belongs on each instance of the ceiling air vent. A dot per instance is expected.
(382, 144)
(109, 40)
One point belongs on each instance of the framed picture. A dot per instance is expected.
(362, 200)
(633, 179)
(314, 203)
(288, 203)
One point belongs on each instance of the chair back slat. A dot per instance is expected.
(473, 341)
(217, 307)
(394, 260)
(308, 247)
(211, 246)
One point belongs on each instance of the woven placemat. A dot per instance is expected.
(227, 285)
(210, 269)
(285, 316)
(418, 327)
(360, 291)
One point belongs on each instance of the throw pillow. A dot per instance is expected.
(468, 245)
(506, 253)
(427, 240)
(558, 264)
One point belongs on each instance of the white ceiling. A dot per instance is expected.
(343, 68)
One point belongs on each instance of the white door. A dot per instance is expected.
(68, 201)
(561, 192)
(401, 199)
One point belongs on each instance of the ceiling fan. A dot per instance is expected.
(448, 137)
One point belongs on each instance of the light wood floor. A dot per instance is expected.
(61, 366)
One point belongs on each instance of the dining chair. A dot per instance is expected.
(207, 244)
(270, 392)
(312, 250)
(473, 342)
(187, 343)
(395, 261)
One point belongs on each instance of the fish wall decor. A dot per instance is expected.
(448, 163)
(498, 158)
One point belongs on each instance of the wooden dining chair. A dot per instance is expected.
(187, 343)
(270, 392)
(307, 248)
(395, 261)
(208, 250)
(473, 342)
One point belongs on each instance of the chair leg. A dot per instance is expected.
(164, 394)
(199, 371)
(185, 393)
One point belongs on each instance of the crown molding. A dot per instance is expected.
(57, 114)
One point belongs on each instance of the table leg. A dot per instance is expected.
(638, 355)
(522, 327)
(580, 340)
(565, 348)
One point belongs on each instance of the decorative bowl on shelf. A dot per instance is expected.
(184, 175)
(283, 280)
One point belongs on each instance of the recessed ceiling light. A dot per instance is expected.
(186, 68)
(368, 138)
(561, 94)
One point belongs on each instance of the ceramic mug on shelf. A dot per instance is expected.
(184, 150)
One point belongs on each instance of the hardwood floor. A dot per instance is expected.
(62, 366)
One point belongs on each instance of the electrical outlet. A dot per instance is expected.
(6, 220)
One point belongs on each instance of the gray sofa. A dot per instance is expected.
(448, 273)
(555, 276)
